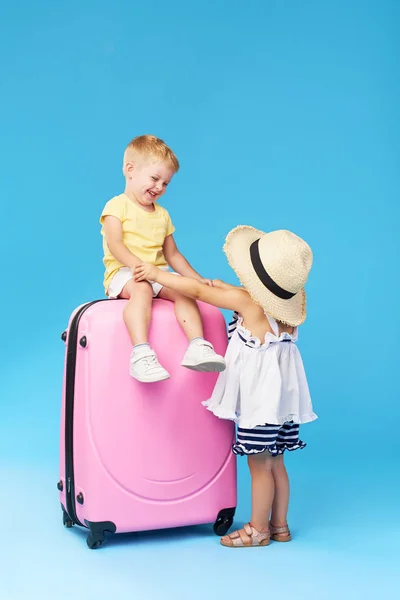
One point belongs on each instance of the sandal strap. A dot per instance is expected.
(274, 530)
(238, 540)
(248, 529)
(248, 536)
(258, 536)
(243, 540)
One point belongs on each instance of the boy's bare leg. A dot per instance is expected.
(200, 356)
(144, 365)
(186, 311)
(137, 311)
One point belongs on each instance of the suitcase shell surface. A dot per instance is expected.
(140, 456)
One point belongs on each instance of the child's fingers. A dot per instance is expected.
(138, 273)
(141, 273)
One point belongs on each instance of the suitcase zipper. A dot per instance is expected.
(72, 345)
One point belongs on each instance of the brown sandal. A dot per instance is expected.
(280, 534)
(249, 539)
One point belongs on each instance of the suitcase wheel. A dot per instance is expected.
(67, 522)
(94, 540)
(224, 521)
(222, 526)
(96, 537)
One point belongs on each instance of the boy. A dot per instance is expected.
(136, 229)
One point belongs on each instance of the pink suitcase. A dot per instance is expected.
(138, 456)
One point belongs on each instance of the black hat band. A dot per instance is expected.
(263, 276)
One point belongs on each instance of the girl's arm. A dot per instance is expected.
(178, 262)
(223, 286)
(231, 298)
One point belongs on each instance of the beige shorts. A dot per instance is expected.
(121, 278)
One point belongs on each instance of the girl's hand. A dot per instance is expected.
(218, 283)
(145, 272)
(206, 281)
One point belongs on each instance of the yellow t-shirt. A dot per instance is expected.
(143, 233)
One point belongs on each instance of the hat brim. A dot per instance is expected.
(237, 249)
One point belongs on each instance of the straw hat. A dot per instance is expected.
(273, 267)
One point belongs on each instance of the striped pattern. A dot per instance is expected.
(273, 438)
(269, 437)
(233, 324)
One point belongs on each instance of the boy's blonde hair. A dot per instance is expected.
(150, 147)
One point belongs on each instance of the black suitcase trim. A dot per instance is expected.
(72, 346)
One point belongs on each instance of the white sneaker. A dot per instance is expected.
(145, 367)
(201, 356)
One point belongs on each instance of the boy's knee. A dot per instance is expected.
(141, 289)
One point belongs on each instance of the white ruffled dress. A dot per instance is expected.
(263, 389)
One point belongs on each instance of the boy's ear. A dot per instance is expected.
(128, 168)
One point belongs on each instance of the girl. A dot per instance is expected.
(264, 388)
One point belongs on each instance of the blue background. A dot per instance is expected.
(283, 115)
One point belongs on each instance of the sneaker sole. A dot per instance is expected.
(144, 380)
(206, 367)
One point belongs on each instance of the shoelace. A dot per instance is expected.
(207, 350)
(151, 362)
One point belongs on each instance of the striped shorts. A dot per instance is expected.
(274, 439)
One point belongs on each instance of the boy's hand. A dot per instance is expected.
(145, 272)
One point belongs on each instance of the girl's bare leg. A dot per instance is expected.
(262, 489)
(281, 499)
(262, 495)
